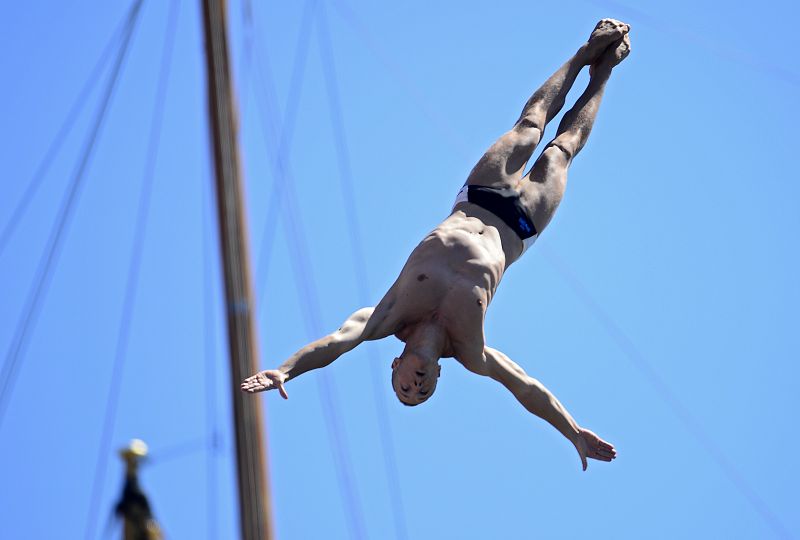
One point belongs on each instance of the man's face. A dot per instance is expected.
(414, 379)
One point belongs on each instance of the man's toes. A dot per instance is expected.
(621, 26)
(615, 53)
(604, 24)
(605, 33)
(610, 29)
(623, 49)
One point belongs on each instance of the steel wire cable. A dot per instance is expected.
(49, 259)
(60, 136)
(360, 264)
(131, 285)
(210, 356)
(667, 395)
(279, 142)
(755, 61)
(285, 135)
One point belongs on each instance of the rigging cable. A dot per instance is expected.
(281, 140)
(690, 423)
(433, 114)
(210, 354)
(247, 55)
(640, 362)
(723, 50)
(131, 286)
(179, 450)
(60, 136)
(360, 263)
(27, 320)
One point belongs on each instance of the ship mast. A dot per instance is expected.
(254, 499)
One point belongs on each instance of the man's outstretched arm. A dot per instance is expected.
(315, 355)
(538, 400)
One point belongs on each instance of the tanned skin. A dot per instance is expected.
(438, 304)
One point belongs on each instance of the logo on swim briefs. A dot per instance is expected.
(523, 225)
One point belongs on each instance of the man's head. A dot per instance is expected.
(414, 377)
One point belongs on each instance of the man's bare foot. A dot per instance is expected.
(606, 32)
(612, 56)
(590, 445)
(265, 380)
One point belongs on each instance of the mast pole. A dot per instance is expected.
(254, 500)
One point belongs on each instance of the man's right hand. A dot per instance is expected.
(266, 380)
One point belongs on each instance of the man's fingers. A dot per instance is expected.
(605, 452)
(253, 386)
(595, 448)
(264, 380)
(251, 382)
(603, 456)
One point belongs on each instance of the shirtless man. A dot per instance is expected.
(438, 303)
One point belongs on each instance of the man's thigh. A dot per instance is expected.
(504, 162)
(543, 187)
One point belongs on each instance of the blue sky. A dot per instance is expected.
(659, 306)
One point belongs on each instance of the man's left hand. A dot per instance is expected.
(590, 445)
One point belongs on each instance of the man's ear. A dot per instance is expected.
(395, 363)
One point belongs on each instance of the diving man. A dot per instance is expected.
(438, 303)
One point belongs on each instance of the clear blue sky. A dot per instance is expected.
(660, 306)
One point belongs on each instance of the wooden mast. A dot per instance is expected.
(254, 500)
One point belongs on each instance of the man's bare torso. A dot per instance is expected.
(451, 277)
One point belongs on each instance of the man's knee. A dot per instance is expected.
(554, 161)
(531, 121)
(562, 148)
(526, 134)
(555, 155)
